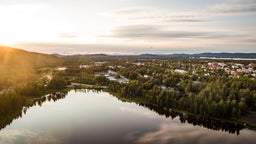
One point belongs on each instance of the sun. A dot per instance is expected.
(27, 22)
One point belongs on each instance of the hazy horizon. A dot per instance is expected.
(129, 26)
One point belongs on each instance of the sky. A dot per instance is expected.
(129, 26)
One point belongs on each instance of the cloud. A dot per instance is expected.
(148, 114)
(28, 137)
(132, 10)
(173, 19)
(239, 7)
(169, 132)
(250, 40)
(67, 35)
(153, 32)
(187, 20)
(226, 8)
(145, 13)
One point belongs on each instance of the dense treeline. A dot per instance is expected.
(214, 95)
(13, 106)
(218, 97)
(10, 101)
(209, 123)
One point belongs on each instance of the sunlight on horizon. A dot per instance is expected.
(135, 26)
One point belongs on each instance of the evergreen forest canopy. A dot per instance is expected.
(218, 89)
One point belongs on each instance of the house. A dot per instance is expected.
(122, 80)
(84, 66)
(139, 64)
(99, 63)
(111, 78)
(162, 87)
(110, 73)
(180, 71)
(61, 68)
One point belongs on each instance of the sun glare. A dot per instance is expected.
(34, 22)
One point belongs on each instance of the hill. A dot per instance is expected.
(209, 55)
(18, 57)
(226, 55)
(17, 66)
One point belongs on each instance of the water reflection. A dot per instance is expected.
(197, 120)
(6, 120)
(93, 116)
(18, 113)
(168, 132)
(56, 96)
(183, 118)
(51, 97)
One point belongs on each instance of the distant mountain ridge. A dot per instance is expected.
(47, 59)
(226, 55)
(206, 55)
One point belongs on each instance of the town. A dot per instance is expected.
(231, 69)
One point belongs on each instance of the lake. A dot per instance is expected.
(96, 117)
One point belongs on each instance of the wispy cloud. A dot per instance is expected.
(67, 35)
(132, 11)
(147, 13)
(152, 32)
(238, 7)
(149, 32)
(199, 26)
(226, 8)
(148, 114)
(160, 27)
(27, 136)
(168, 132)
(187, 18)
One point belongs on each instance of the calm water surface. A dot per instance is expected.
(98, 117)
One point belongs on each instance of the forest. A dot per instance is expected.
(189, 85)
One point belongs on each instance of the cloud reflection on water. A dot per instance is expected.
(143, 112)
(168, 132)
(27, 137)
